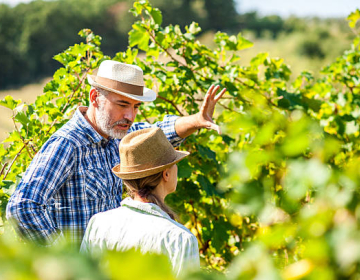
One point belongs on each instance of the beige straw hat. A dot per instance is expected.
(146, 152)
(122, 78)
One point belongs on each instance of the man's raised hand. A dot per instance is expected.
(206, 112)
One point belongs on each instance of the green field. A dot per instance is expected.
(27, 94)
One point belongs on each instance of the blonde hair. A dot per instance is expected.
(144, 187)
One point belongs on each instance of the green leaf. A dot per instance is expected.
(259, 59)
(184, 169)
(206, 185)
(14, 137)
(8, 187)
(9, 102)
(289, 100)
(243, 43)
(220, 234)
(139, 36)
(156, 15)
(353, 18)
(206, 152)
(22, 118)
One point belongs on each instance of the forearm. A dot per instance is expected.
(167, 125)
(187, 125)
(31, 222)
(28, 207)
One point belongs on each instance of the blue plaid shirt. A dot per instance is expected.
(70, 180)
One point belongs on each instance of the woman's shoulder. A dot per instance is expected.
(178, 230)
(108, 214)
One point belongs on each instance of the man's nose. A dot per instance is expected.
(130, 114)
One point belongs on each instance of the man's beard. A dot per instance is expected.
(104, 124)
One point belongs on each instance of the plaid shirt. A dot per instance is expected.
(70, 180)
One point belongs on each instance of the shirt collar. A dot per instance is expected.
(149, 208)
(84, 125)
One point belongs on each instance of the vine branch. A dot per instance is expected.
(172, 103)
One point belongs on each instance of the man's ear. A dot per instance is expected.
(92, 97)
(166, 175)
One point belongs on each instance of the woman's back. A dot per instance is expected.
(145, 227)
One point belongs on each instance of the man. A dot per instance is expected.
(70, 178)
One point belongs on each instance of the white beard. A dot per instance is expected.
(103, 122)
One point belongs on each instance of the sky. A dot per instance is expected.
(302, 8)
(285, 8)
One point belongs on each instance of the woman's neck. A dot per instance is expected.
(159, 192)
(139, 198)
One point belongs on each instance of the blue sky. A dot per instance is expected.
(320, 8)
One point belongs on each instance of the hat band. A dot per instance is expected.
(145, 166)
(119, 86)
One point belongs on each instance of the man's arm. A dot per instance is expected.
(187, 125)
(47, 172)
(178, 128)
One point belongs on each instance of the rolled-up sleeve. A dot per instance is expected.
(48, 171)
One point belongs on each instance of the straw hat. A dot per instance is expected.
(121, 78)
(145, 152)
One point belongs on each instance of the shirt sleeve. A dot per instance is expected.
(167, 125)
(26, 209)
(187, 257)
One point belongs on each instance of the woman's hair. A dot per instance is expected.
(144, 187)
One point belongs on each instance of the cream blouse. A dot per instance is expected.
(145, 227)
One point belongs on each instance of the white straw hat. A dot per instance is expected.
(122, 78)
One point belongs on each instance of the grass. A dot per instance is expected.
(27, 94)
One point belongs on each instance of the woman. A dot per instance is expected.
(144, 222)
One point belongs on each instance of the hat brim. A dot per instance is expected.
(147, 172)
(148, 94)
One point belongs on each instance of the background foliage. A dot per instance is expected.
(276, 195)
(31, 34)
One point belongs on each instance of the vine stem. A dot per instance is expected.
(142, 113)
(25, 144)
(13, 161)
(22, 139)
(69, 99)
(170, 55)
(3, 168)
(161, 47)
(172, 103)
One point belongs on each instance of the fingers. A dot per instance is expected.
(208, 106)
(207, 98)
(214, 126)
(217, 97)
(214, 91)
(211, 93)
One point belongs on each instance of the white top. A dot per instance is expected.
(143, 226)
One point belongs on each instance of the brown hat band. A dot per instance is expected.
(119, 86)
(144, 166)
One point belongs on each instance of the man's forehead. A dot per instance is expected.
(123, 99)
